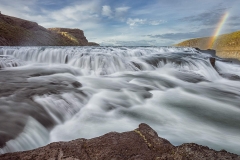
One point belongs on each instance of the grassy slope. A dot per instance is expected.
(12, 34)
(226, 45)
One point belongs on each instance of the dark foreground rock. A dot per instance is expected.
(143, 143)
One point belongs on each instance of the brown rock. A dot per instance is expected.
(93, 44)
(140, 144)
(19, 32)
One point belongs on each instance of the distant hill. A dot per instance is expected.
(226, 45)
(18, 32)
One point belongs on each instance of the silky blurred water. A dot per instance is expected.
(50, 94)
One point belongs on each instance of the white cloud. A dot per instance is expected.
(75, 15)
(84, 16)
(121, 11)
(112, 42)
(156, 22)
(118, 13)
(78, 12)
(19, 9)
(136, 21)
(106, 11)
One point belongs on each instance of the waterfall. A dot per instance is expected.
(50, 94)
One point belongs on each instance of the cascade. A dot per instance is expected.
(50, 94)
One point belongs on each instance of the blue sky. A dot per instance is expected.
(130, 22)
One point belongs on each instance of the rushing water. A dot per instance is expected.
(50, 94)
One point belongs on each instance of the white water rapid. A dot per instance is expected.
(50, 94)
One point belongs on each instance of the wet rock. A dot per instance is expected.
(212, 61)
(142, 143)
(17, 102)
(230, 76)
(136, 65)
(76, 84)
(211, 52)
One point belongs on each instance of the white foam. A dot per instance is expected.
(174, 90)
(34, 135)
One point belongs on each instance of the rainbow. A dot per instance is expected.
(217, 30)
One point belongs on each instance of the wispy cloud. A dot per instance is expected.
(22, 9)
(187, 35)
(76, 12)
(121, 11)
(234, 18)
(129, 43)
(234, 21)
(106, 11)
(135, 22)
(156, 22)
(207, 18)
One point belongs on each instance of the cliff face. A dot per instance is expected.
(19, 32)
(226, 45)
(75, 35)
(142, 143)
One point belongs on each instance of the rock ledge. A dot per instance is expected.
(142, 143)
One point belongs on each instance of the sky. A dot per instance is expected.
(130, 22)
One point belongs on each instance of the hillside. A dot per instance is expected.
(18, 32)
(226, 45)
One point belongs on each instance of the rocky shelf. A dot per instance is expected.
(142, 143)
